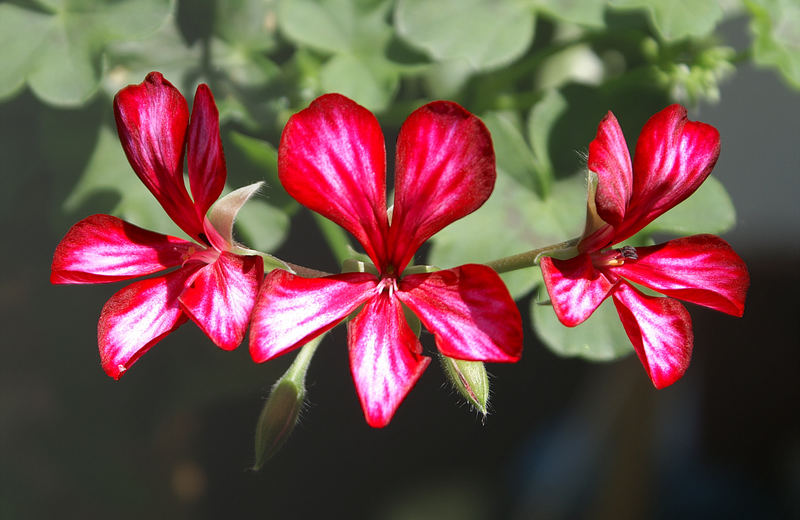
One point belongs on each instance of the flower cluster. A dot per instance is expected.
(332, 160)
(673, 157)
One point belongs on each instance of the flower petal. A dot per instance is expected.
(673, 158)
(701, 269)
(576, 288)
(332, 160)
(292, 310)
(206, 161)
(137, 317)
(151, 120)
(660, 330)
(102, 248)
(445, 170)
(610, 160)
(469, 310)
(220, 297)
(385, 358)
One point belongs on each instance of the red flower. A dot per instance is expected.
(213, 286)
(673, 157)
(332, 160)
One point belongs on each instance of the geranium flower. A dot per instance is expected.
(673, 157)
(332, 160)
(213, 285)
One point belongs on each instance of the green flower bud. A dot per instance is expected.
(278, 419)
(470, 379)
(282, 409)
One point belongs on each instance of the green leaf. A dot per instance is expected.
(485, 33)
(109, 185)
(583, 12)
(513, 220)
(334, 26)
(249, 24)
(776, 28)
(514, 156)
(356, 33)
(130, 61)
(59, 54)
(708, 210)
(541, 120)
(263, 227)
(600, 338)
(676, 19)
(252, 158)
(369, 81)
(242, 66)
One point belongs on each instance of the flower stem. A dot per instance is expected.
(297, 372)
(531, 258)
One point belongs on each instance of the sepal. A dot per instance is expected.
(223, 213)
(470, 379)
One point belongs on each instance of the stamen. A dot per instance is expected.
(615, 257)
(387, 283)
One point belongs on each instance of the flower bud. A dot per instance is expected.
(278, 419)
(282, 409)
(470, 379)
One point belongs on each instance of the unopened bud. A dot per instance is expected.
(278, 419)
(470, 379)
(282, 409)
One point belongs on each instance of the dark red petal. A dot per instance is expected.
(469, 310)
(385, 358)
(102, 248)
(610, 160)
(575, 287)
(701, 269)
(332, 159)
(445, 170)
(221, 296)
(151, 120)
(137, 317)
(660, 330)
(206, 160)
(292, 310)
(673, 158)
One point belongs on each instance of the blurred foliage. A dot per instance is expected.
(541, 74)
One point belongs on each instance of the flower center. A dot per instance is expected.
(615, 257)
(388, 282)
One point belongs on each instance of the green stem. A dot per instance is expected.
(335, 236)
(297, 372)
(529, 258)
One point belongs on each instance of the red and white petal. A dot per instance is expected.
(673, 157)
(291, 310)
(102, 248)
(701, 269)
(469, 311)
(206, 161)
(575, 287)
(220, 297)
(332, 159)
(445, 169)
(385, 358)
(660, 330)
(137, 317)
(610, 160)
(151, 120)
